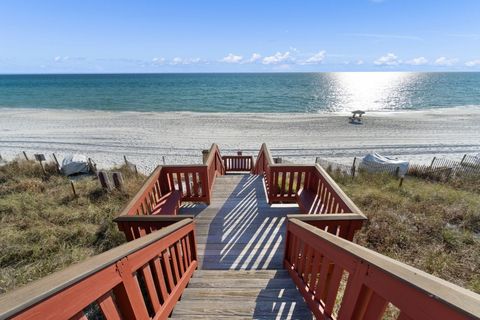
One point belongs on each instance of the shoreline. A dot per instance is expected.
(144, 137)
(376, 113)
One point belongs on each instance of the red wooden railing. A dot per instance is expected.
(318, 262)
(215, 167)
(238, 163)
(195, 182)
(192, 181)
(135, 227)
(142, 279)
(283, 181)
(147, 197)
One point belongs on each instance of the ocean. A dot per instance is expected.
(242, 92)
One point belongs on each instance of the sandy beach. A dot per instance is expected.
(144, 137)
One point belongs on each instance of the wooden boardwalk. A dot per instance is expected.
(240, 240)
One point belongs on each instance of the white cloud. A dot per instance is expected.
(255, 57)
(360, 62)
(277, 58)
(419, 61)
(158, 60)
(444, 61)
(389, 59)
(178, 60)
(231, 58)
(316, 58)
(473, 63)
(60, 58)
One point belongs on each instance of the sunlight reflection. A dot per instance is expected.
(370, 91)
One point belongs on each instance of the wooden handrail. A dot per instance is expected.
(317, 261)
(138, 226)
(164, 260)
(344, 225)
(283, 181)
(150, 189)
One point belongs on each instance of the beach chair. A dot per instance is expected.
(356, 116)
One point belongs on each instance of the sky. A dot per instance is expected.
(238, 36)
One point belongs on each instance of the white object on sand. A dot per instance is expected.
(375, 162)
(75, 163)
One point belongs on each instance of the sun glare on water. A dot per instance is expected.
(372, 91)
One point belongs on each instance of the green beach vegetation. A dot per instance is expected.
(433, 226)
(45, 228)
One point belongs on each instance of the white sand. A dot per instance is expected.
(145, 137)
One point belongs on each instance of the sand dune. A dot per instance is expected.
(145, 137)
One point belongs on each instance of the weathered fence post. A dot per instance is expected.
(25, 155)
(354, 167)
(117, 180)
(73, 189)
(163, 160)
(125, 159)
(397, 172)
(40, 158)
(401, 182)
(104, 180)
(433, 160)
(464, 156)
(56, 161)
(93, 166)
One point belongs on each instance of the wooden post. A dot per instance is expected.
(461, 162)
(433, 160)
(93, 167)
(354, 167)
(104, 180)
(25, 155)
(401, 182)
(163, 160)
(117, 180)
(125, 159)
(40, 158)
(397, 172)
(73, 189)
(56, 161)
(205, 155)
(136, 170)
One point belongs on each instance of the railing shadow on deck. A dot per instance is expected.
(246, 233)
(276, 302)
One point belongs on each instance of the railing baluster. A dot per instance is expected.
(168, 269)
(174, 261)
(152, 291)
(178, 253)
(160, 278)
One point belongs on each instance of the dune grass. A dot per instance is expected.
(430, 225)
(45, 228)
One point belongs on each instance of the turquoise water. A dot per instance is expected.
(263, 92)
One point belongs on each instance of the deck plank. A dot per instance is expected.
(240, 244)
